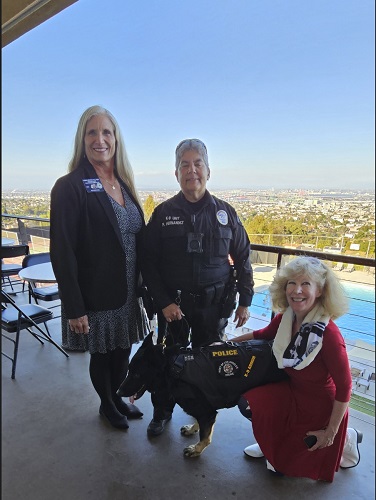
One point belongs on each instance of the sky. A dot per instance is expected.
(281, 91)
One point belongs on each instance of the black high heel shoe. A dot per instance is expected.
(119, 422)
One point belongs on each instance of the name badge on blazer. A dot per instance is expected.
(93, 185)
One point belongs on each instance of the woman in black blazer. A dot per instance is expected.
(96, 219)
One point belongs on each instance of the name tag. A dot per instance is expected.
(93, 185)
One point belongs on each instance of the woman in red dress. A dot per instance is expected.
(314, 400)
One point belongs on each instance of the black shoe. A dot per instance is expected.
(120, 422)
(129, 410)
(156, 427)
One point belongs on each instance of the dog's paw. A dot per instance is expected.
(190, 429)
(191, 451)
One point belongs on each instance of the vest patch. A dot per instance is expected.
(228, 369)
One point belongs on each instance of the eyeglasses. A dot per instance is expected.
(192, 143)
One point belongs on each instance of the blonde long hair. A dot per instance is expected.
(122, 165)
(333, 298)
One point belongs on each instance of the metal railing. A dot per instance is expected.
(34, 231)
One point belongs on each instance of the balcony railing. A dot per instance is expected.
(266, 259)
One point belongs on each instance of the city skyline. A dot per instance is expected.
(282, 93)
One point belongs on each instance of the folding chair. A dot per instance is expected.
(15, 318)
(8, 270)
(46, 293)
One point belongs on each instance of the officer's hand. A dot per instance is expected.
(172, 313)
(241, 316)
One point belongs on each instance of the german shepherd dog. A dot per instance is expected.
(201, 380)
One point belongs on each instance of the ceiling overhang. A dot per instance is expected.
(20, 16)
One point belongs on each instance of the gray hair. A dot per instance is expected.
(332, 298)
(188, 145)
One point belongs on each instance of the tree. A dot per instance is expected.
(149, 206)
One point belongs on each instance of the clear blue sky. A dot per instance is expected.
(281, 91)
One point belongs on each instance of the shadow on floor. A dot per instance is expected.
(55, 446)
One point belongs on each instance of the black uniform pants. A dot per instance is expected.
(200, 326)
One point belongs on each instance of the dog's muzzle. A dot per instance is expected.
(131, 387)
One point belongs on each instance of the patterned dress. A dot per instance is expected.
(119, 327)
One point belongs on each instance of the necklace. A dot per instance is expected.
(108, 182)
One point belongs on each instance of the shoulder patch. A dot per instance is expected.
(222, 217)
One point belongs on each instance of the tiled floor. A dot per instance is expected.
(55, 446)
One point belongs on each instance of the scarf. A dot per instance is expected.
(304, 346)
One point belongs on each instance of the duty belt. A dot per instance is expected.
(211, 294)
(190, 295)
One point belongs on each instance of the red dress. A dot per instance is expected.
(283, 412)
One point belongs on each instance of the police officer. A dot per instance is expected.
(189, 242)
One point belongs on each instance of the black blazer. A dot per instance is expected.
(86, 249)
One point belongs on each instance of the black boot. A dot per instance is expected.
(100, 374)
(156, 427)
(119, 369)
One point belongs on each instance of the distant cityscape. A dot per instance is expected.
(262, 196)
(335, 213)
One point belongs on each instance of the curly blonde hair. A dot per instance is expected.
(333, 298)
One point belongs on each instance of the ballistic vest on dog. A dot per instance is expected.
(224, 372)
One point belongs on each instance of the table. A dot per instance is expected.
(7, 242)
(40, 273)
(43, 273)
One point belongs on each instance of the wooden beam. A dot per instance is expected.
(20, 16)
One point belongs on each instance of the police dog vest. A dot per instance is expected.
(224, 372)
